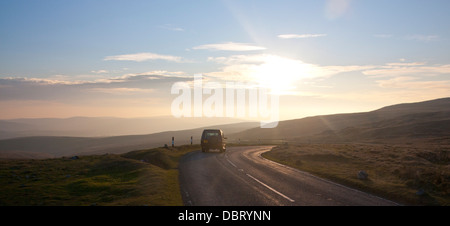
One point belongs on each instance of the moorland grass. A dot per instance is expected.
(144, 177)
(409, 175)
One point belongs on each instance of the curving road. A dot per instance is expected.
(241, 177)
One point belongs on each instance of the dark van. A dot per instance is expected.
(213, 139)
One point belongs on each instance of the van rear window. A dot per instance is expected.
(212, 134)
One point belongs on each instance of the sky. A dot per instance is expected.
(96, 58)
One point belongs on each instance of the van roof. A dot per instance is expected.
(212, 130)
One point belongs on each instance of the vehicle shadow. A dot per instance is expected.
(197, 155)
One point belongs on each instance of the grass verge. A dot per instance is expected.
(406, 174)
(145, 177)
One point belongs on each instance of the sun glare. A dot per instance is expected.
(281, 74)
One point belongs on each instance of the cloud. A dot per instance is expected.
(171, 27)
(238, 66)
(290, 75)
(423, 38)
(54, 80)
(121, 90)
(140, 57)
(230, 46)
(160, 74)
(281, 74)
(241, 66)
(413, 83)
(100, 71)
(415, 37)
(406, 69)
(406, 64)
(295, 36)
(138, 85)
(412, 79)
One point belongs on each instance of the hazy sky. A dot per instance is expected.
(63, 58)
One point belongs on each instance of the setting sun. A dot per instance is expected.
(281, 74)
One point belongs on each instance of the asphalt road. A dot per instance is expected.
(241, 177)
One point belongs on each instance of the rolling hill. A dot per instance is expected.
(39, 147)
(422, 121)
(102, 126)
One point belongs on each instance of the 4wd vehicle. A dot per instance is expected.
(213, 139)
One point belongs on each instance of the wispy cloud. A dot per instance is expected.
(230, 46)
(121, 90)
(288, 74)
(413, 83)
(423, 38)
(100, 71)
(414, 37)
(42, 97)
(138, 84)
(158, 74)
(171, 27)
(241, 66)
(296, 36)
(281, 74)
(406, 69)
(403, 63)
(140, 57)
(54, 80)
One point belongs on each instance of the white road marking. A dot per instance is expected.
(242, 170)
(231, 163)
(189, 202)
(265, 185)
(324, 180)
(270, 188)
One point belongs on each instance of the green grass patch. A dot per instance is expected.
(144, 177)
(398, 173)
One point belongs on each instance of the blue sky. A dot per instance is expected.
(61, 58)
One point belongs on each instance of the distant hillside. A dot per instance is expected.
(438, 105)
(429, 120)
(102, 126)
(58, 146)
